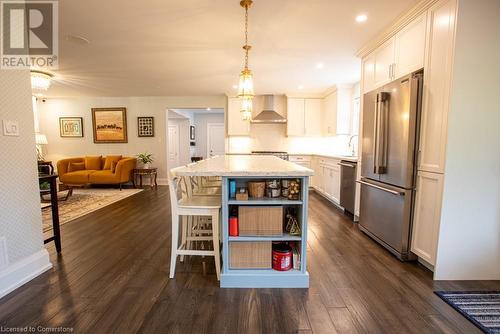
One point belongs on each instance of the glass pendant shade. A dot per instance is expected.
(245, 87)
(246, 109)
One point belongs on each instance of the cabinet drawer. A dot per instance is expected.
(250, 255)
(260, 220)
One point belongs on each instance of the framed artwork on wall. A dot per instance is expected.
(145, 126)
(70, 127)
(191, 132)
(109, 125)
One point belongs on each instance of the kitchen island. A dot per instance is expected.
(240, 170)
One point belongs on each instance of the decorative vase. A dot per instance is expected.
(147, 166)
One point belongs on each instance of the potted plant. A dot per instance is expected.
(146, 159)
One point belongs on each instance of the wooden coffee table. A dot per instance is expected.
(152, 173)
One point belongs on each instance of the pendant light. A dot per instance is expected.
(245, 87)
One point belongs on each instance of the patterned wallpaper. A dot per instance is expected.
(20, 217)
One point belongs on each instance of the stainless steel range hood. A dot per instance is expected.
(268, 114)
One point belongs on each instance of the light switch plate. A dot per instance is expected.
(10, 128)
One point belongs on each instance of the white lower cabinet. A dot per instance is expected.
(327, 178)
(427, 215)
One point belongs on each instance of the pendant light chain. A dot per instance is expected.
(246, 38)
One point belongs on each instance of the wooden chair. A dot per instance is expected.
(185, 208)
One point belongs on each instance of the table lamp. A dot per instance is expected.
(40, 139)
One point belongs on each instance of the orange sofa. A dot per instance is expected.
(96, 170)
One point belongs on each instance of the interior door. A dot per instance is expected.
(173, 146)
(215, 139)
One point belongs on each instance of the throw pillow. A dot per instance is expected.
(74, 166)
(113, 166)
(109, 160)
(93, 163)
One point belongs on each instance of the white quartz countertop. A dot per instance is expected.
(243, 165)
(333, 156)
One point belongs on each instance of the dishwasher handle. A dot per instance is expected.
(346, 165)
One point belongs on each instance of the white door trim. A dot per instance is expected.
(209, 125)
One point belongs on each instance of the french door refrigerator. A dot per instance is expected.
(388, 165)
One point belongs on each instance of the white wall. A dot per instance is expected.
(50, 111)
(469, 239)
(20, 215)
(200, 123)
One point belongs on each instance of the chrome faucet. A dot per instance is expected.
(351, 146)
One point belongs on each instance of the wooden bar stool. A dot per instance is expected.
(184, 211)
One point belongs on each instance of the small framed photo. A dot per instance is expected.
(191, 132)
(145, 126)
(110, 125)
(70, 127)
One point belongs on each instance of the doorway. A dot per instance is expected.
(215, 139)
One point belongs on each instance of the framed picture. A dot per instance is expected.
(110, 125)
(191, 133)
(145, 126)
(70, 127)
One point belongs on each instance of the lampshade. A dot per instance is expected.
(246, 108)
(40, 80)
(41, 139)
(245, 87)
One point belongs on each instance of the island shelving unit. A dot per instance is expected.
(244, 168)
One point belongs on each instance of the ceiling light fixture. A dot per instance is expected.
(301, 87)
(361, 18)
(319, 66)
(245, 87)
(246, 108)
(40, 80)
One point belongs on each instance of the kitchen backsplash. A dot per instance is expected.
(272, 137)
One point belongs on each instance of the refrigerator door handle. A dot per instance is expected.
(375, 137)
(383, 132)
(394, 192)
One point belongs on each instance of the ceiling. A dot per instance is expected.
(193, 47)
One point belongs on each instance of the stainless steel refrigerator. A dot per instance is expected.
(388, 165)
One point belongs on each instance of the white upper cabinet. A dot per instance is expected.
(304, 117)
(410, 47)
(384, 61)
(368, 69)
(295, 117)
(312, 117)
(337, 112)
(235, 125)
(401, 54)
(437, 85)
(427, 215)
(329, 115)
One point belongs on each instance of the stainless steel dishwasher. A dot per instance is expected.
(347, 185)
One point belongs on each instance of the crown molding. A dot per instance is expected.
(396, 26)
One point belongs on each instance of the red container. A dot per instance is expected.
(282, 257)
(233, 226)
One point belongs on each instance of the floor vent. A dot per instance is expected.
(4, 259)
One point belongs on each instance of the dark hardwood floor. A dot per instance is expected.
(112, 276)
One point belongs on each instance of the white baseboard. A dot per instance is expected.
(23, 271)
(162, 181)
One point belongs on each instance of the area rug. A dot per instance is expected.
(84, 201)
(480, 308)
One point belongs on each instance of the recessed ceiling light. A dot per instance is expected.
(235, 86)
(301, 87)
(208, 109)
(361, 18)
(319, 66)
